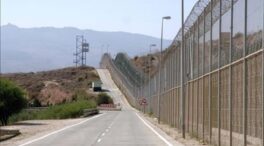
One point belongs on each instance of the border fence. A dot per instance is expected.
(223, 90)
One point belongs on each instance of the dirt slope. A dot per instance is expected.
(55, 86)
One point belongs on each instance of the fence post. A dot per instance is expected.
(230, 77)
(203, 75)
(262, 74)
(245, 77)
(198, 74)
(219, 76)
(210, 63)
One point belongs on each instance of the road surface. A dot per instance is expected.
(115, 128)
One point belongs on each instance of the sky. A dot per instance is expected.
(135, 16)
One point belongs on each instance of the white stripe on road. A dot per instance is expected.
(162, 138)
(54, 132)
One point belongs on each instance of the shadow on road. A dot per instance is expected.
(103, 90)
(28, 124)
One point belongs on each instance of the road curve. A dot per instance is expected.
(115, 128)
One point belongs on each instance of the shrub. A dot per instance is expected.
(103, 99)
(80, 79)
(36, 103)
(67, 110)
(81, 95)
(62, 111)
(11, 100)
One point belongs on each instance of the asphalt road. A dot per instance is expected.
(115, 128)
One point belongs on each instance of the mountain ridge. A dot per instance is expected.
(45, 48)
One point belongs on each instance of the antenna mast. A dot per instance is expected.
(81, 48)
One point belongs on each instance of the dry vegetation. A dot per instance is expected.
(55, 86)
(147, 63)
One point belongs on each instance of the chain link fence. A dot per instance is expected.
(223, 88)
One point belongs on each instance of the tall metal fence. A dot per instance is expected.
(223, 90)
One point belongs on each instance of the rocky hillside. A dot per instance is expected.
(55, 86)
(147, 63)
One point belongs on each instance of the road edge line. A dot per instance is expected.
(58, 131)
(153, 130)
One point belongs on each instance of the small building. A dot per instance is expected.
(97, 85)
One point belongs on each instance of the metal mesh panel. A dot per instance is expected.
(214, 107)
(172, 106)
(195, 109)
(191, 109)
(206, 104)
(186, 106)
(254, 26)
(254, 106)
(225, 107)
(200, 108)
(175, 107)
(238, 30)
(178, 108)
(201, 45)
(237, 100)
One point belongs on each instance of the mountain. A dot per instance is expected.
(45, 48)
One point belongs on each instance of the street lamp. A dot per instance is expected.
(160, 62)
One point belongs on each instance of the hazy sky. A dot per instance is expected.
(136, 16)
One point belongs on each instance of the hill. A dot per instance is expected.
(148, 63)
(54, 86)
(45, 48)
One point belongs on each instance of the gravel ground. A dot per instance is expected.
(36, 128)
(173, 132)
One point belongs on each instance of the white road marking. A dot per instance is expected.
(162, 138)
(103, 134)
(99, 140)
(54, 132)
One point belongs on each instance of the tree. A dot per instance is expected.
(11, 100)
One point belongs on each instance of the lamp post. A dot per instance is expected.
(150, 47)
(160, 62)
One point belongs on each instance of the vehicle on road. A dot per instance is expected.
(97, 86)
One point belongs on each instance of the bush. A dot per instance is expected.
(11, 100)
(67, 110)
(22, 116)
(104, 99)
(81, 95)
(80, 79)
(62, 111)
(36, 103)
